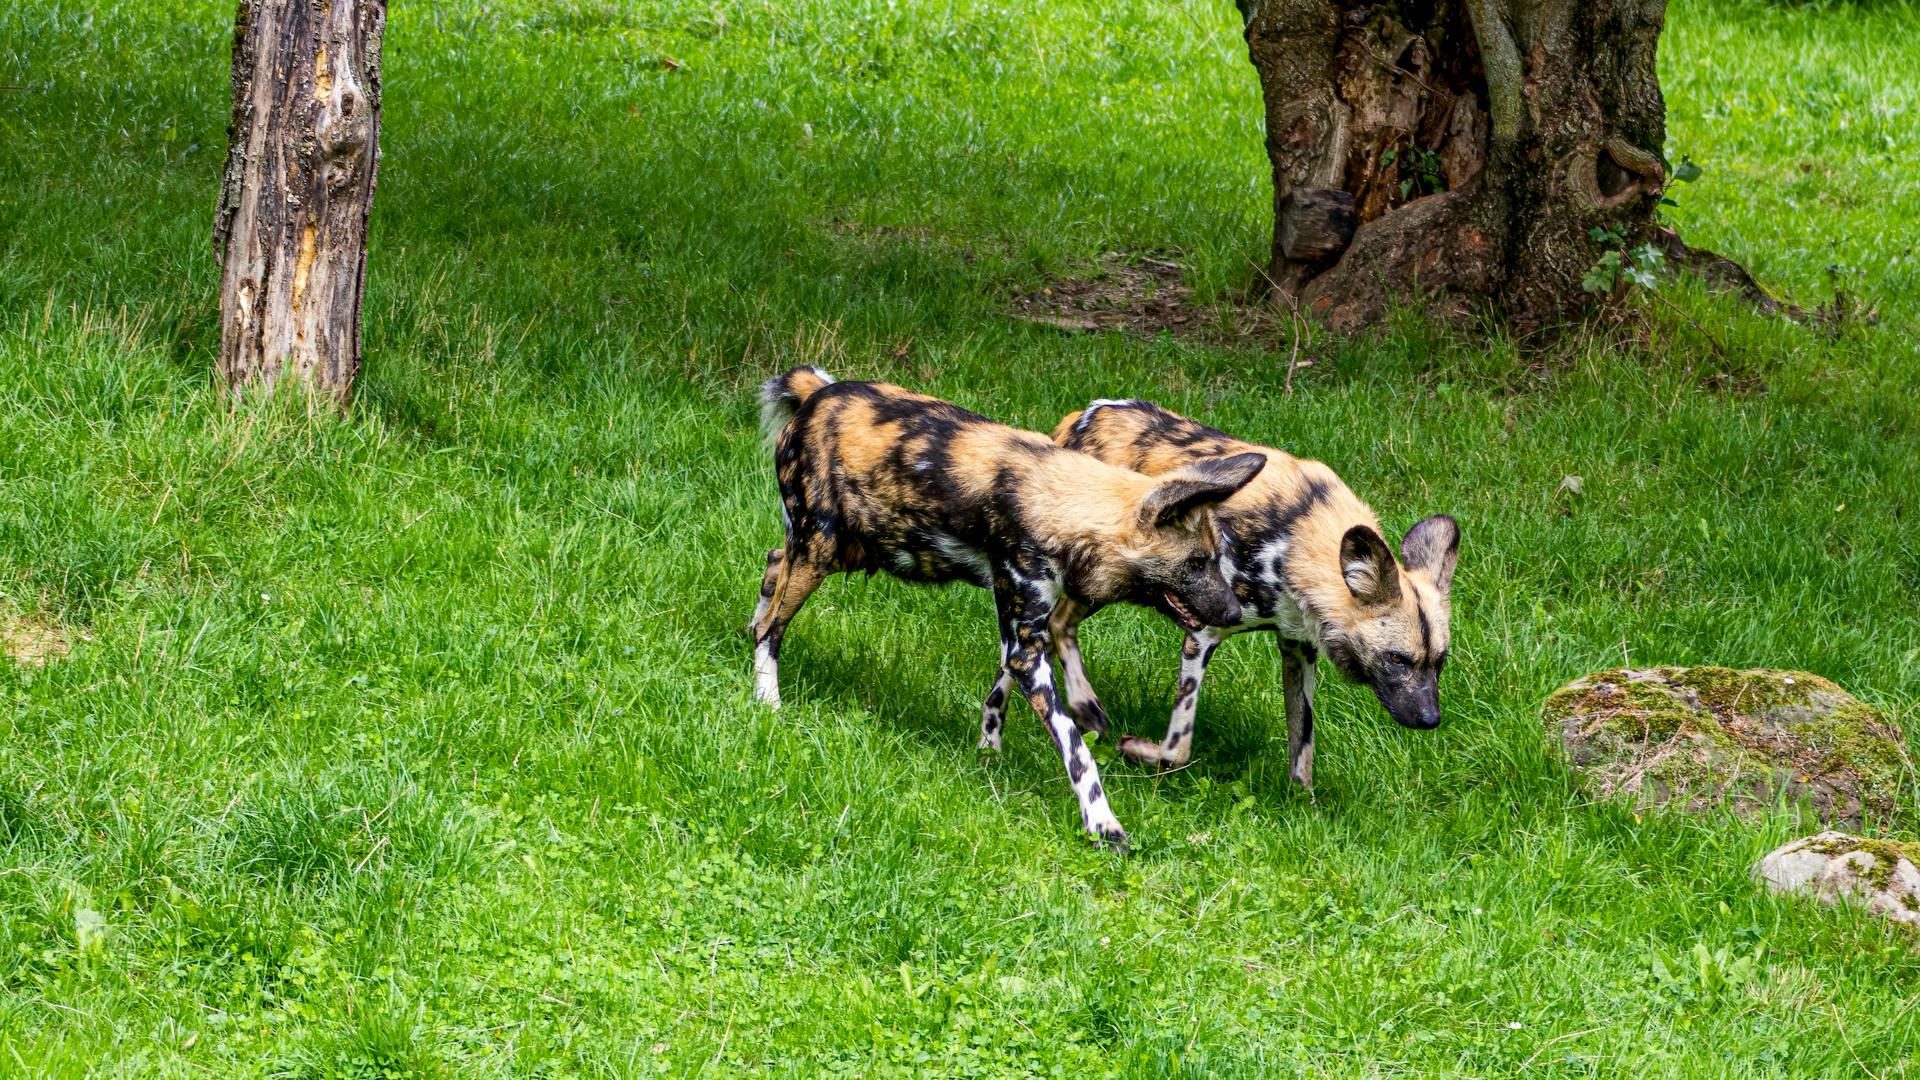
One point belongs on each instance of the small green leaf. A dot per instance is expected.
(1687, 172)
(1601, 276)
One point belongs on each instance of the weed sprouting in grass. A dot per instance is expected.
(379, 1042)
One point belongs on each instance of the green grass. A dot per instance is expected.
(421, 743)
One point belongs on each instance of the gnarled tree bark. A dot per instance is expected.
(1478, 142)
(291, 228)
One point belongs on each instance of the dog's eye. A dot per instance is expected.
(1399, 659)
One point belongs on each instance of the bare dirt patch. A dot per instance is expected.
(33, 641)
(1140, 294)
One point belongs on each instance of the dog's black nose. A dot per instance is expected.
(1229, 612)
(1422, 718)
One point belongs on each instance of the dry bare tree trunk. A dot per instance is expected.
(291, 228)
(1456, 153)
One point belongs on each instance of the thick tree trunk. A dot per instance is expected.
(291, 228)
(1476, 142)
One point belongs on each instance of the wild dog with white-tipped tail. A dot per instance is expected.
(873, 477)
(1306, 560)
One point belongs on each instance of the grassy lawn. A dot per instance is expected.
(422, 743)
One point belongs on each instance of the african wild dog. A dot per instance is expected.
(1306, 560)
(874, 477)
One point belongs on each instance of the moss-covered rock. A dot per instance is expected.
(1704, 737)
(1880, 874)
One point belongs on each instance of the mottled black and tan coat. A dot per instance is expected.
(873, 477)
(1307, 560)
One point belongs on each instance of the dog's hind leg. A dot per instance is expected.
(1064, 629)
(797, 577)
(993, 711)
(768, 582)
(1174, 750)
(1297, 660)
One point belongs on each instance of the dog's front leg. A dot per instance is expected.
(1026, 602)
(1064, 630)
(1173, 752)
(1297, 662)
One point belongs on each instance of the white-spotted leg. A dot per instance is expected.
(1173, 751)
(1025, 599)
(993, 711)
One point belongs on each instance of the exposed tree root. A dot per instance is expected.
(1723, 275)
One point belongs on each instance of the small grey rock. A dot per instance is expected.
(1833, 866)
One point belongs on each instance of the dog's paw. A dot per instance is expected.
(1145, 751)
(1111, 836)
(1089, 716)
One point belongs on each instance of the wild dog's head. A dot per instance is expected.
(1394, 636)
(1175, 556)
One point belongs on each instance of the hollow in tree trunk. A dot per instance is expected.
(1455, 153)
(291, 228)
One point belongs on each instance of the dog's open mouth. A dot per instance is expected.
(1181, 615)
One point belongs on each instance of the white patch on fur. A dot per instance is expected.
(1360, 577)
(777, 407)
(1265, 567)
(1291, 620)
(1086, 418)
(960, 554)
(1049, 583)
(766, 676)
(1267, 561)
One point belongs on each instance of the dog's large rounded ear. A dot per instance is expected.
(1199, 485)
(1433, 547)
(1368, 567)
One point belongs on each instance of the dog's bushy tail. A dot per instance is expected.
(780, 398)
